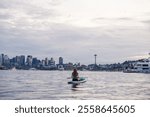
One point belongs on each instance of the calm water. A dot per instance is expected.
(52, 85)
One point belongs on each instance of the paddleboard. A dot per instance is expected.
(81, 80)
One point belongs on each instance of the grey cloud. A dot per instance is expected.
(116, 21)
(26, 15)
(124, 18)
(99, 18)
(22, 3)
(74, 43)
(9, 4)
(146, 21)
(29, 7)
(5, 16)
(117, 18)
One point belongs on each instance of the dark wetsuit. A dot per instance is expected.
(75, 75)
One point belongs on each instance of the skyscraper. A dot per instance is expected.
(51, 62)
(60, 60)
(1, 60)
(43, 62)
(46, 61)
(29, 60)
(22, 60)
(17, 61)
(6, 60)
(35, 62)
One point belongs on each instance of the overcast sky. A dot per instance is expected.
(115, 30)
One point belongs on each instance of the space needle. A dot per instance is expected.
(95, 55)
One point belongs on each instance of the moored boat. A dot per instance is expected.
(139, 67)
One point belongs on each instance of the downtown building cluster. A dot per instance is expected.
(30, 62)
(22, 62)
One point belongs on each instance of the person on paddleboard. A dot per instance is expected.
(75, 75)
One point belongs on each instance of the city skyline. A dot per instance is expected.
(28, 59)
(115, 30)
(29, 62)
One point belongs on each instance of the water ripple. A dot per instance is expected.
(52, 85)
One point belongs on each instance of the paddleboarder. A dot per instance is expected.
(75, 75)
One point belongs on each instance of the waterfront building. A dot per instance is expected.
(60, 65)
(91, 67)
(68, 66)
(83, 67)
(77, 65)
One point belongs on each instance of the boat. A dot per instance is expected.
(139, 67)
(60, 68)
(81, 80)
(32, 69)
(14, 69)
(2, 67)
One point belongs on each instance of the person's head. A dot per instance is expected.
(74, 70)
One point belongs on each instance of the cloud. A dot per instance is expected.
(146, 21)
(75, 43)
(38, 27)
(125, 18)
(5, 16)
(28, 9)
(115, 18)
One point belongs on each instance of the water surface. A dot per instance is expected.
(52, 85)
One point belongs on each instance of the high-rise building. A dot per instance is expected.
(43, 62)
(17, 61)
(1, 60)
(29, 60)
(51, 62)
(13, 61)
(6, 60)
(35, 62)
(46, 61)
(60, 61)
(22, 60)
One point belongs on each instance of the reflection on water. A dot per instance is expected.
(77, 87)
(52, 85)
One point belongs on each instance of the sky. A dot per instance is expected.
(115, 30)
